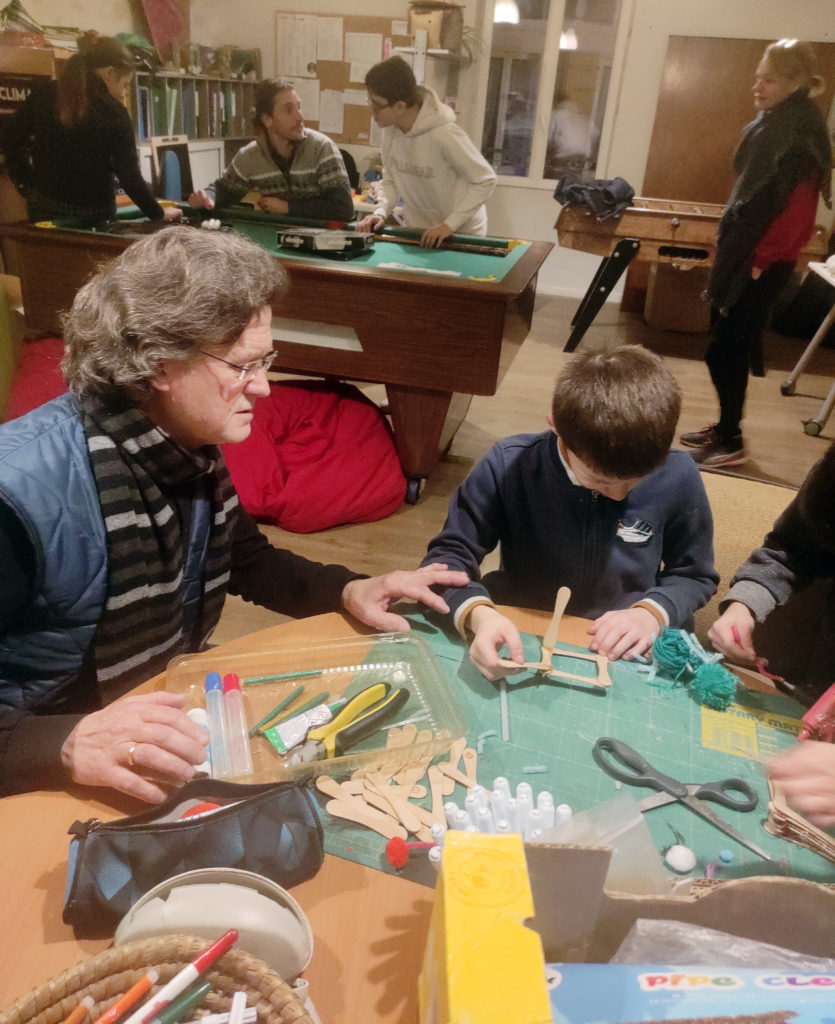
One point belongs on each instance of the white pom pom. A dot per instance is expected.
(680, 858)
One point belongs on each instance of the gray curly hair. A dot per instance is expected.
(165, 297)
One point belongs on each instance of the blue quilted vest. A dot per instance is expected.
(46, 478)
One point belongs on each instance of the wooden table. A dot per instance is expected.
(427, 337)
(369, 927)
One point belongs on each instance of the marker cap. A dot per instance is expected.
(213, 681)
(231, 682)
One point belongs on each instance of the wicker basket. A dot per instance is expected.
(110, 973)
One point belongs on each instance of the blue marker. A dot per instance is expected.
(221, 766)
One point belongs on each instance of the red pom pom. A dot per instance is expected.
(397, 852)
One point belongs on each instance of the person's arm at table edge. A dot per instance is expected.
(280, 580)
(799, 547)
(127, 170)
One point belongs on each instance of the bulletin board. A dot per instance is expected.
(326, 57)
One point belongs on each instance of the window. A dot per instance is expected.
(548, 82)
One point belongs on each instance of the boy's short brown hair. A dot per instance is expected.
(617, 410)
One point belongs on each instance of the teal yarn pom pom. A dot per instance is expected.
(671, 652)
(714, 686)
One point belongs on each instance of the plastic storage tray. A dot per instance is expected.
(346, 666)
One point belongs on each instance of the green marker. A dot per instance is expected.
(180, 1006)
(276, 710)
(320, 698)
(304, 673)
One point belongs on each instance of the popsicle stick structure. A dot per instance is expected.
(549, 649)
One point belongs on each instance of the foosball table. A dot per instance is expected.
(651, 230)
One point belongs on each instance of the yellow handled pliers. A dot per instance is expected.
(360, 717)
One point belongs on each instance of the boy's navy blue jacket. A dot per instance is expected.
(657, 543)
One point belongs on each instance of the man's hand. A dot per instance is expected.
(373, 222)
(272, 204)
(369, 600)
(149, 733)
(492, 630)
(432, 237)
(807, 774)
(624, 633)
(201, 200)
(732, 634)
(173, 214)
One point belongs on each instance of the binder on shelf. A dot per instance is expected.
(144, 113)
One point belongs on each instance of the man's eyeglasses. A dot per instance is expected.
(377, 105)
(246, 371)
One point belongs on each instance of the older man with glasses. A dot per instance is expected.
(120, 530)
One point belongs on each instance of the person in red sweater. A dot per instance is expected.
(784, 162)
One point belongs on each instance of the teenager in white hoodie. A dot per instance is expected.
(428, 160)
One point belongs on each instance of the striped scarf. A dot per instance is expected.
(136, 464)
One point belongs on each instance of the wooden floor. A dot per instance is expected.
(780, 451)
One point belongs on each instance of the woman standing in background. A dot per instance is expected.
(71, 136)
(784, 161)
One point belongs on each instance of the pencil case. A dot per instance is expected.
(271, 829)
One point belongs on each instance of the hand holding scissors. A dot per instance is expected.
(625, 763)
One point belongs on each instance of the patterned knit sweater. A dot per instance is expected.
(314, 182)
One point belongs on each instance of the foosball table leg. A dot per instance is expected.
(610, 271)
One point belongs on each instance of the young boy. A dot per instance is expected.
(598, 503)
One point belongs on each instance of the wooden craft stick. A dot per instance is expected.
(470, 764)
(401, 809)
(371, 819)
(456, 749)
(603, 677)
(550, 639)
(455, 775)
(436, 779)
(554, 674)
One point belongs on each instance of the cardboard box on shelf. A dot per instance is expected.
(443, 23)
(479, 945)
(32, 60)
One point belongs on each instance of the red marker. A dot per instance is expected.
(736, 636)
(183, 979)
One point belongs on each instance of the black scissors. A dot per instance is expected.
(625, 763)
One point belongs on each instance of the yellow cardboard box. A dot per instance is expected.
(482, 965)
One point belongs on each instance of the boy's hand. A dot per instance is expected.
(624, 633)
(732, 633)
(493, 630)
(807, 774)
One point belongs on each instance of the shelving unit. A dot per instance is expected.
(200, 107)
(213, 113)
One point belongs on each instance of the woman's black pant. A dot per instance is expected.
(733, 337)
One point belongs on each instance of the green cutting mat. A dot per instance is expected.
(556, 724)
